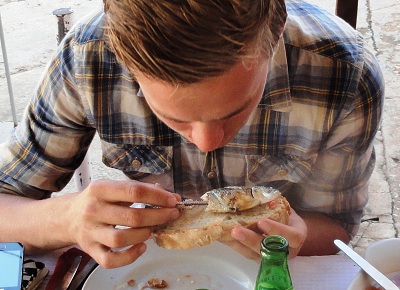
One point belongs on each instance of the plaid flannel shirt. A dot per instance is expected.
(310, 136)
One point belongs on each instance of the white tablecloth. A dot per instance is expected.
(308, 273)
(322, 272)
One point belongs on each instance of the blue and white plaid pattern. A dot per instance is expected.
(311, 135)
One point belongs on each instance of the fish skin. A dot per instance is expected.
(238, 198)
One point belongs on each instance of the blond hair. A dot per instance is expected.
(186, 41)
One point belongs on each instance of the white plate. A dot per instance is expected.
(215, 266)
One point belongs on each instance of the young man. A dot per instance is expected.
(195, 95)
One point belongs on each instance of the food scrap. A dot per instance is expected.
(154, 283)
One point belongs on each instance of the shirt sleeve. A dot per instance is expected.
(53, 136)
(338, 183)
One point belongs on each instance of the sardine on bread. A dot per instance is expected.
(200, 225)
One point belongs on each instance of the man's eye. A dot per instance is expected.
(178, 122)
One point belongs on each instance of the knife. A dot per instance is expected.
(366, 266)
(70, 274)
(187, 202)
(81, 277)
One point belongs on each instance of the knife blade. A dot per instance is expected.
(381, 279)
(189, 202)
(65, 282)
(81, 277)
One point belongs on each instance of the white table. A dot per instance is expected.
(322, 272)
(318, 272)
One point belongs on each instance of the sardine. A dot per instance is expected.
(238, 198)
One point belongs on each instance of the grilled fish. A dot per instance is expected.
(238, 198)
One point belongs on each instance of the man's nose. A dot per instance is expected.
(207, 136)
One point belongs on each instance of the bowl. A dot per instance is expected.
(383, 255)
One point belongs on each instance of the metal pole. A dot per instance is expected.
(347, 10)
(83, 174)
(64, 19)
(8, 75)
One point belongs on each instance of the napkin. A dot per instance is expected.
(32, 274)
(63, 264)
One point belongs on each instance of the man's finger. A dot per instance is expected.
(113, 214)
(131, 191)
(107, 258)
(249, 238)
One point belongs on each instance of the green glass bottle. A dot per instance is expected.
(274, 270)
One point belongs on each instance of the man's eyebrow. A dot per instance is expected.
(239, 110)
(230, 115)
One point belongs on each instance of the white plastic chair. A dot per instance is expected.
(83, 174)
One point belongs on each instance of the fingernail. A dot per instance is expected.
(238, 235)
(175, 214)
(142, 249)
(171, 201)
(178, 197)
(264, 226)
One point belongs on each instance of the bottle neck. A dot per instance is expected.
(275, 246)
(274, 256)
(274, 271)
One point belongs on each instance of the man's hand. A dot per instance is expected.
(95, 213)
(307, 233)
(248, 242)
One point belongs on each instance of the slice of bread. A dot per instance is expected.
(197, 227)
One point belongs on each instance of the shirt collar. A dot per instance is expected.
(276, 94)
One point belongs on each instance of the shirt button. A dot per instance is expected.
(282, 172)
(136, 163)
(211, 174)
